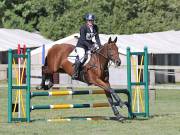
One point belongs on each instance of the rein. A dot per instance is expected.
(98, 52)
(106, 57)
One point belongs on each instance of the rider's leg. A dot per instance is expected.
(77, 65)
(80, 58)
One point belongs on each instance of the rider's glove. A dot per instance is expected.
(95, 47)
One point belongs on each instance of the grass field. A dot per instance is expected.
(164, 119)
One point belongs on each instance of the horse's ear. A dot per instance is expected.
(109, 41)
(115, 40)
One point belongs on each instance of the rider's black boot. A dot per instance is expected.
(77, 65)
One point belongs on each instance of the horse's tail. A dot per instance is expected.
(45, 64)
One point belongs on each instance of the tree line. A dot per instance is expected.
(59, 18)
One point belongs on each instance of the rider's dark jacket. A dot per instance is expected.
(86, 35)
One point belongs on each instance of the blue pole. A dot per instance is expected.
(43, 54)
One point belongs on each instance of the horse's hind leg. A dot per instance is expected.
(44, 77)
(51, 82)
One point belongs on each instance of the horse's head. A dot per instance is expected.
(112, 52)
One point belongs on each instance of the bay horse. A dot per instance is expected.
(95, 72)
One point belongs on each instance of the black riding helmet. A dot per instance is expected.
(89, 17)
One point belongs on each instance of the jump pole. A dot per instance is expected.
(68, 106)
(75, 92)
(19, 82)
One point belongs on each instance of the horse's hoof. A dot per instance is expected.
(120, 118)
(121, 104)
(74, 77)
(39, 88)
(46, 87)
(127, 104)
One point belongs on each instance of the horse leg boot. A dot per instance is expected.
(109, 95)
(42, 85)
(119, 117)
(51, 81)
(116, 97)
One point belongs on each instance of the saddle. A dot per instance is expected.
(73, 56)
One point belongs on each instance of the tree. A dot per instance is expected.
(58, 18)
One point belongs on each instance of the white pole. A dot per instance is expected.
(19, 83)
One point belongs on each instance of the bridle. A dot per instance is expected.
(109, 53)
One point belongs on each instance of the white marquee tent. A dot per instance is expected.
(167, 42)
(10, 38)
(158, 42)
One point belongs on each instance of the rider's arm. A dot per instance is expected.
(83, 37)
(97, 36)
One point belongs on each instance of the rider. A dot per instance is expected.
(85, 43)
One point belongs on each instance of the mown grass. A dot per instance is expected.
(164, 119)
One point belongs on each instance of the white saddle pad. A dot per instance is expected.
(72, 57)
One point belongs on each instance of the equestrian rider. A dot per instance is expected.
(85, 43)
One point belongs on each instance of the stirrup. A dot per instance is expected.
(75, 76)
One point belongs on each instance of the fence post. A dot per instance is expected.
(28, 85)
(129, 81)
(146, 80)
(10, 85)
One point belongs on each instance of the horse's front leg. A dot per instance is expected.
(43, 79)
(109, 94)
(113, 105)
(106, 87)
(45, 76)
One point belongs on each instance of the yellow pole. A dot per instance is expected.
(139, 78)
(136, 77)
(22, 74)
(17, 82)
(19, 92)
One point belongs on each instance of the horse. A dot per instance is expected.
(95, 72)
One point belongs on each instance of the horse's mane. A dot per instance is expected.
(103, 47)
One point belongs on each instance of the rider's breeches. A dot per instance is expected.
(81, 53)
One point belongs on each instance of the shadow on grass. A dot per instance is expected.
(161, 115)
(85, 118)
(151, 117)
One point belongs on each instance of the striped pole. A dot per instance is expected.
(68, 106)
(77, 92)
(68, 119)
